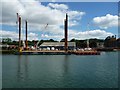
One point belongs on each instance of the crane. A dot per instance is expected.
(39, 41)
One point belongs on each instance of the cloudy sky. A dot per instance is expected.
(46, 19)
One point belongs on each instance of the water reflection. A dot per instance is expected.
(19, 68)
(1, 72)
(66, 64)
(22, 72)
(26, 67)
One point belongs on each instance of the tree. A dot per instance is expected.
(62, 40)
(51, 40)
(93, 44)
(110, 41)
(6, 40)
(73, 40)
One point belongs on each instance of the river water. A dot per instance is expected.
(60, 71)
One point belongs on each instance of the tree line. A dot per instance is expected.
(110, 41)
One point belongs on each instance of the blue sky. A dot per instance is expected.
(92, 9)
(101, 16)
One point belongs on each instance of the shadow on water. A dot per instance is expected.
(22, 72)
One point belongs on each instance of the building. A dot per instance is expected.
(3, 46)
(57, 45)
(7, 47)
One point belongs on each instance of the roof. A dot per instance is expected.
(5, 45)
(57, 44)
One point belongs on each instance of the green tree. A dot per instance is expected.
(6, 40)
(62, 40)
(73, 40)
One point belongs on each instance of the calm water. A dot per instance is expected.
(60, 71)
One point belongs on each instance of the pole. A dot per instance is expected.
(19, 32)
(88, 38)
(66, 33)
(26, 43)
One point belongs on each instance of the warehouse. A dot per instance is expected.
(57, 45)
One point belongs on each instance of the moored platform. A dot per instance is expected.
(59, 52)
(45, 52)
(85, 52)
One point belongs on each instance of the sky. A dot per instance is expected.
(46, 19)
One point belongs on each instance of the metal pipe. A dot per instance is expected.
(19, 32)
(26, 43)
(66, 33)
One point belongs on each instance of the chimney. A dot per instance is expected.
(66, 33)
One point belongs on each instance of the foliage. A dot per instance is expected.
(109, 41)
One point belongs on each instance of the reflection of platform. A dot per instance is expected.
(60, 52)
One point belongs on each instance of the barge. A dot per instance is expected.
(57, 53)
(85, 52)
(42, 53)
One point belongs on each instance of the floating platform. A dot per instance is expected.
(85, 52)
(105, 49)
(57, 53)
(43, 53)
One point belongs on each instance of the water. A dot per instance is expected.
(0, 71)
(60, 71)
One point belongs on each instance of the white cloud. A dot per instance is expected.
(8, 34)
(106, 21)
(58, 6)
(39, 16)
(55, 37)
(36, 13)
(14, 35)
(32, 36)
(99, 34)
(75, 15)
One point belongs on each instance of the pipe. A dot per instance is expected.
(66, 33)
(26, 43)
(19, 32)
